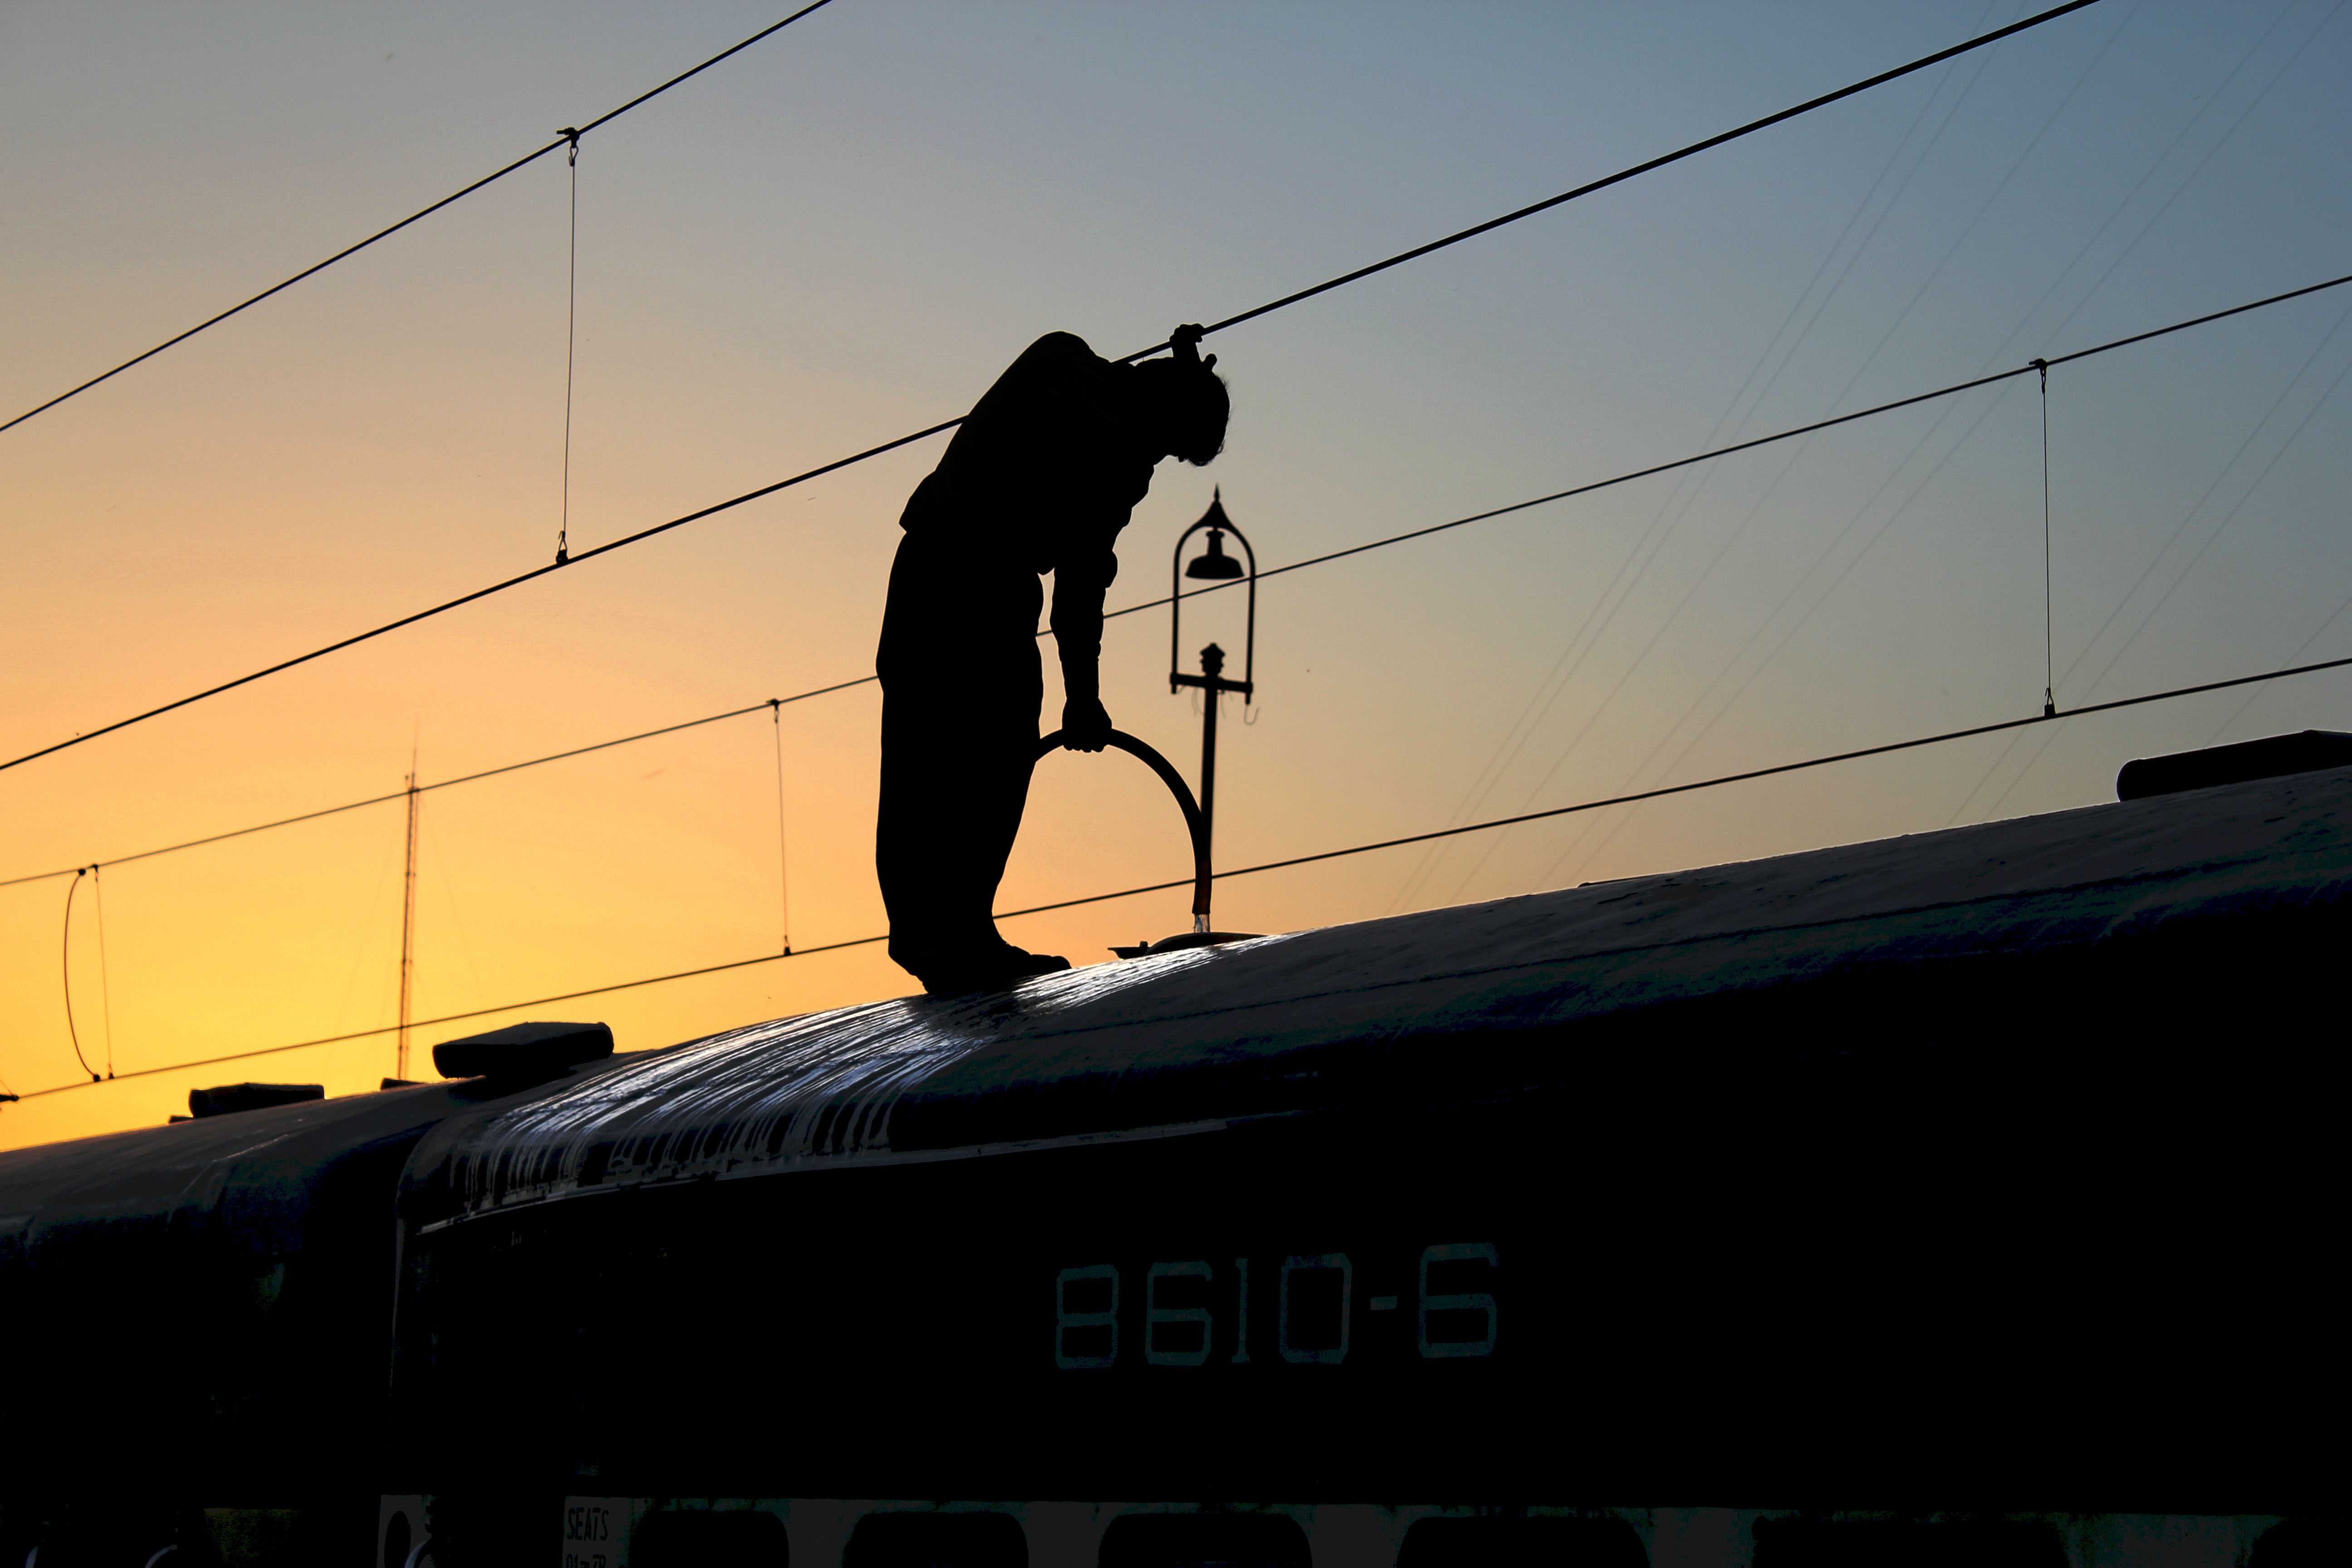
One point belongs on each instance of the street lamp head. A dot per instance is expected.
(1216, 565)
(1220, 570)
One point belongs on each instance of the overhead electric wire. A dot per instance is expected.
(571, 342)
(1921, 443)
(2255, 695)
(776, 702)
(64, 970)
(1789, 632)
(1659, 163)
(1694, 785)
(2254, 434)
(1959, 387)
(461, 1017)
(1634, 564)
(2212, 101)
(479, 593)
(1789, 463)
(1287, 299)
(2153, 610)
(105, 984)
(773, 703)
(569, 136)
(783, 847)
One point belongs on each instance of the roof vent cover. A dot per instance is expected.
(533, 1051)
(224, 1100)
(2273, 756)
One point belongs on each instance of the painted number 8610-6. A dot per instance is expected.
(1195, 1311)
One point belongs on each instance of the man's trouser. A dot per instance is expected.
(960, 691)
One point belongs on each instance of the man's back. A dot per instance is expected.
(1042, 454)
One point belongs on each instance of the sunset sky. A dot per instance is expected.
(844, 233)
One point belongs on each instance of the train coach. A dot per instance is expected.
(1945, 1201)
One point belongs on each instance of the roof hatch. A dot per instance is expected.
(2303, 751)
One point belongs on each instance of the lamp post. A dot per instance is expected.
(1214, 566)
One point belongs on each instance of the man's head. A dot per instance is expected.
(1185, 402)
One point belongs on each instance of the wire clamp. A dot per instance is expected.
(570, 134)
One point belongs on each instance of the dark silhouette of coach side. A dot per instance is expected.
(1040, 479)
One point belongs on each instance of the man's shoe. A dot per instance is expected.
(992, 972)
(1023, 963)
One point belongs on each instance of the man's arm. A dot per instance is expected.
(1079, 585)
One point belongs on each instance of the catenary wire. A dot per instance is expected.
(64, 971)
(571, 341)
(1659, 163)
(1751, 775)
(2218, 95)
(1779, 436)
(1789, 464)
(2254, 434)
(2213, 99)
(1689, 486)
(2155, 559)
(1648, 551)
(569, 136)
(2155, 609)
(105, 983)
(1270, 572)
(783, 856)
(2255, 695)
(1803, 619)
(445, 784)
(1397, 261)
(2049, 593)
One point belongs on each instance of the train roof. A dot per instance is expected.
(259, 1171)
(1469, 1000)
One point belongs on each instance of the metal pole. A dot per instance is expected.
(407, 927)
(1212, 666)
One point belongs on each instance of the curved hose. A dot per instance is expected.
(1120, 740)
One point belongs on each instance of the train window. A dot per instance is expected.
(1905, 1543)
(735, 1537)
(1203, 1540)
(937, 1540)
(1539, 1543)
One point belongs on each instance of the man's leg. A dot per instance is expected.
(1003, 749)
(913, 837)
(954, 785)
(961, 686)
(1000, 796)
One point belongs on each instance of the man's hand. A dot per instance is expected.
(1086, 726)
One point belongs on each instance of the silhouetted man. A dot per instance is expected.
(1040, 479)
